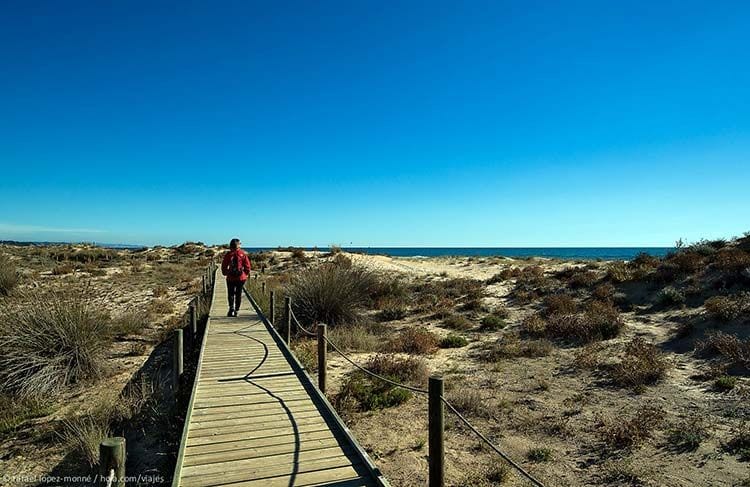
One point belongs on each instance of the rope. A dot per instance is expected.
(299, 325)
(369, 372)
(492, 445)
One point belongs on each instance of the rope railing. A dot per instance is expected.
(452, 408)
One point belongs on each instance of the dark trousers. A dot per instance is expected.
(234, 293)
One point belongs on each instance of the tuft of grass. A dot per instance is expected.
(84, 434)
(331, 293)
(643, 364)
(8, 275)
(130, 323)
(160, 291)
(453, 341)
(64, 268)
(469, 402)
(393, 309)
(415, 340)
(457, 322)
(539, 454)
(60, 342)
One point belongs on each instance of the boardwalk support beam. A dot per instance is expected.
(436, 426)
(322, 351)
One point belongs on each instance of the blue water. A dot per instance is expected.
(604, 253)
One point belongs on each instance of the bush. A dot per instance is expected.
(453, 341)
(457, 322)
(730, 347)
(492, 322)
(599, 321)
(630, 432)
(84, 434)
(392, 310)
(619, 271)
(130, 323)
(725, 383)
(732, 260)
(58, 342)
(643, 364)
(670, 296)
(330, 293)
(511, 346)
(534, 325)
(539, 454)
(15, 411)
(8, 275)
(559, 304)
(416, 340)
(604, 292)
(160, 306)
(468, 401)
(739, 442)
(582, 278)
(299, 254)
(160, 291)
(366, 393)
(306, 352)
(62, 269)
(728, 308)
(687, 435)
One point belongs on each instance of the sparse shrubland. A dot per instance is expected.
(642, 364)
(416, 340)
(631, 432)
(8, 275)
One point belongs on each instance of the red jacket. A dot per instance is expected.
(243, 261)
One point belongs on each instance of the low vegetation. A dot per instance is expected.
(642, 364)
(8, 275)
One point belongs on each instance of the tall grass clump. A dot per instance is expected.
(57, 342)
(331, 293)
(8, 275)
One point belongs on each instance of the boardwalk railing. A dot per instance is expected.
(436, 399)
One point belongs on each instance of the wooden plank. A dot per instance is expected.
(253, 466)
(257, 420)
(290, 469)
(239, 428)
(338, 477)
(255, 444)
(193, 441)
(246, 452)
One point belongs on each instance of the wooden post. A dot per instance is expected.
(193, 318)
(112, 457)
(322, 348)
(288, 308)
(436, 427)
(272, 308)
(203, 284)
(263, 288)
(178, 362)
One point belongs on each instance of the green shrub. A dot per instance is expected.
(366, 393)
(539, 454)
(453, 341)
(330, 293)
(457, 322)
(492, 322)
(725, 383)
(643, 364)
(58, 342)
(670, 296)
(415, 340)
(8, 275)
(688, 434)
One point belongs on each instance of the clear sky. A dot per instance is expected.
(375, 123)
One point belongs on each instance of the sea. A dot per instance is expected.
(585, 253)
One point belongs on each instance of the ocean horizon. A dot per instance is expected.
(590, 253)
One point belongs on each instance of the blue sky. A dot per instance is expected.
(375, 123)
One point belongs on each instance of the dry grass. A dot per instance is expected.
(160, 306)
(84, 434)
(414, 340)
(8, 275)
(359, 338)
(688, 433)
(457, 322)
(728, 308)
(512, 346)
(730, 348)
(469, 402)
(627, 433)
(61, 341)
(643, 364)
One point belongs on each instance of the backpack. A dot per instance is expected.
(235, 269)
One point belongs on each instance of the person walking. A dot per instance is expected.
(236, 266)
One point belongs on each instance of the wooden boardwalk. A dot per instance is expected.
(255, 417)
